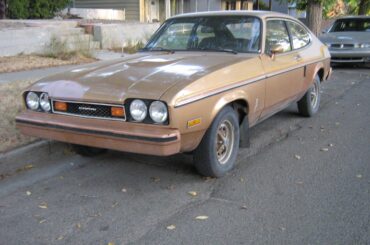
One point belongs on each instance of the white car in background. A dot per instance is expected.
(348, 40)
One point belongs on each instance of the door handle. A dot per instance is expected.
(297, 58)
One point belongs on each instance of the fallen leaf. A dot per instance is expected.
(28, 166)
(171, 227)
(114, 204)
(60, 238)
(201, 217)
(42, 221)
(297, 157)
(193, 193)
(241, 179)
(359, 176)
(111, 243)
(155, 179)
(124, 190)
(324, 149)
(244, 207)
(43, 205)
(207, 178)
(28, 193)
(78, 226)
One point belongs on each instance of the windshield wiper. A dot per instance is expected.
(226, 50)
(159, 49)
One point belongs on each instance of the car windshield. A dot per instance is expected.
(232, 34)
(351, 25)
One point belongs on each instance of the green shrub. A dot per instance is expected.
(18, 9)
(35, 9)
(40, 9)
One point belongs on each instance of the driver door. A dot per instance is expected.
(284, 76)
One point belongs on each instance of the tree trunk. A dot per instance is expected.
(2, 9)
(314, 15)
(363, 7)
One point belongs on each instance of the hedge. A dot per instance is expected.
(34, 9)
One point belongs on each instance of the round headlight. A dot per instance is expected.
(158, 112)
(138, 110)
(44, 102)
(32, 101)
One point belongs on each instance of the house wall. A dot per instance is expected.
(132, 7)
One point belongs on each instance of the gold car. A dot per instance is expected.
(202, 81)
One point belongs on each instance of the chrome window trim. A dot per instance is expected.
(87, 103)
(294, 21)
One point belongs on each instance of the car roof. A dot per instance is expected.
(257, 13)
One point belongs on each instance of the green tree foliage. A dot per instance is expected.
(354, 6)
(35, 9)
(18, 9)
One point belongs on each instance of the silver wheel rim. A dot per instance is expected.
(224, 141)
(314, 95)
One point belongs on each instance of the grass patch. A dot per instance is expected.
(29, 62)
(11, 105)
(60, 49)
(130, 47)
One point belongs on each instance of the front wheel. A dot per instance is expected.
(217, 152)
(310, 102)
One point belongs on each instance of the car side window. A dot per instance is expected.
(277, 34)
(299, 35)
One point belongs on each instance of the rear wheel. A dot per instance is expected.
(87, 151)
(217, 152)
(310, 102)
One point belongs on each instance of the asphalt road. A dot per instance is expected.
(303, 181)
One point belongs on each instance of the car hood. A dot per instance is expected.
(346, 37)
(144, 75)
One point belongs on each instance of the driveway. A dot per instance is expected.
(303, 181)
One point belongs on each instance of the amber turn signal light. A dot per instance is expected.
(117, 112)
(60, 106)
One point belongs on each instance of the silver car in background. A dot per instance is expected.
(348, 40)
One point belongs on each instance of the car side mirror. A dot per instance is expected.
(276, 49)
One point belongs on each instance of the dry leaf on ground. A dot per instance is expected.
(43, 205)
(193, 193)
(171, 227)
(201, 217)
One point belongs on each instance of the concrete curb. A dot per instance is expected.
(32, 152)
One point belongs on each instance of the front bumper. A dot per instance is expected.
(115, 135)
(349, 56)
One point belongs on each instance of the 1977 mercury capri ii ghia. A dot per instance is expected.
(200, 83)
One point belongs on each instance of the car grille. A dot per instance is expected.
(341, 46)
(91, 110)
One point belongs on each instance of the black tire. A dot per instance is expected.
(88, 151)
(206, 159)
(308, 105)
